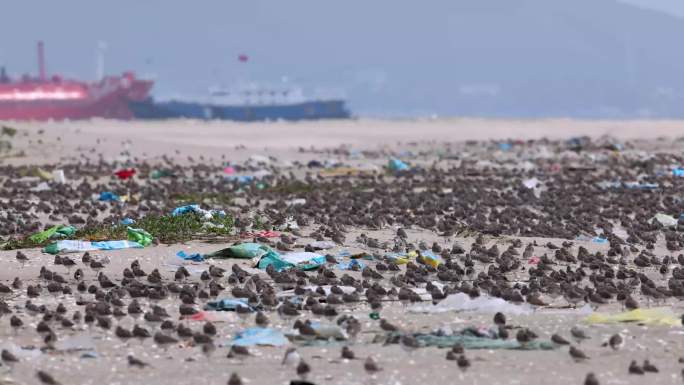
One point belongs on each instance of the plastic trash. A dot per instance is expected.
(127, 221)
(300, 260)
(197, 257)
(678, 172)
(157, 174)
(139, 235)
(401, 258)
(229, 170)
(108, 196)
(431, 258)
(353, 264)
(665, 220)
(531, 183)
(58, 176)
(42, 174)
(207, 214)
(599, 240)
(259, 159)
(482, 304)
(246, 250)
(652, 316)
(479, 342)
(640, 186)
(227, 304)
(42, 186)
(214, 316)
(290, 224)
(296, 202)
(76, 342)
(57, 231)
(262, 233)
(322, 245)
(125, 173)
(505, 146)
(396, 165)
(240, 179)
(259, 336)
(20, 352)
(69, 246)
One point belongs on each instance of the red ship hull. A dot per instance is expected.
(57, 99)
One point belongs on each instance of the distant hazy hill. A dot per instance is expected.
(588, 58)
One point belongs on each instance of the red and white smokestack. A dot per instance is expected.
(41, 61)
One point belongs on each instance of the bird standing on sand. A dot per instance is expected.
(234, 379)
(303, 369)
(8, 357)
(578, 334)
(616, 341)
(132, 361)
(591, 379)
(46, 378)
(347, 353)
(559, 340)
(634, 368)
(577, 354)
(370, 366)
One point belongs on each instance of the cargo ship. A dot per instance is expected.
(56, 98)
(245, 104)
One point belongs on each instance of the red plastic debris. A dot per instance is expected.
(262, 233)
(125, 173)
(533, 261)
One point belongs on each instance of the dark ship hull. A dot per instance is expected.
(308, 110)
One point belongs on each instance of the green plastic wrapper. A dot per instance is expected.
(140, 236)
(61, 231)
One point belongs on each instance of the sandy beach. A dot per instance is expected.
(443, 156)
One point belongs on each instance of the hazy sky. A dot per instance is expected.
(376, 52)
(675, 7)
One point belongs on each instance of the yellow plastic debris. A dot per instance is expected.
(652, 316)
(42, 174)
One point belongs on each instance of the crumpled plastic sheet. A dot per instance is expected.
(354, 263)
(322, 245)
(259, 336)
(653, 316)
(665, 220)
(227, 304)
(300, 260)
(76, 342)
(471, 341)
(482, 304)
(196, 257)
(70, 246)
(207, 214)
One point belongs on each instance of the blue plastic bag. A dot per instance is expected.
(227, 304)
(396, 165)
(351, 264)
(197, 257)
(68, 246)
(260, 336)
(108, 196)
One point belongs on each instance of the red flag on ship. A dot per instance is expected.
(243, 58)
